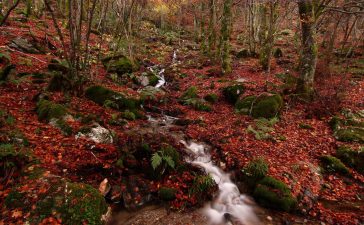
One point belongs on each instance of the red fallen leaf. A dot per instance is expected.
(16, 213)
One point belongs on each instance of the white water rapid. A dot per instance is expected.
(229, 206)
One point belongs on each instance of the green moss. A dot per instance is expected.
(172, 152)
(335, 122)
(202, 185)
(245, 105)
(198, 104)
(268, 106)
(76, 203)
(233, 92)
(64, 127)
(167, 194)
(102, 95)
(274, 194)
(256, 169)
(48, 110)
(262, 106)
(352, 158)
(153, 79)
(212, 98)
(14, 200)
(191, 92)
(128, 115)
(350, 134)
(332, 164)
(118, 64)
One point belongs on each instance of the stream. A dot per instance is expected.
(228, 207)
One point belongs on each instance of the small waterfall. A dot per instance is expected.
(230, 205)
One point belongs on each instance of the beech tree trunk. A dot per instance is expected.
(212, 28)
(308, 58)
(225, 37)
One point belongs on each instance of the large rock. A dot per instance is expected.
(266, 106)
(110, 98)
(118, 63)
(97, 134)
(23, 45)
(232, 92)
(72, 203)
(275, 194)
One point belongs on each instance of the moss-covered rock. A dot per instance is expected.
(103, 96)
(119, 64)
(246, 104)
(232, 93)
(198, 104)
(128, 115)
(256, 169)
(75, 203)
(212, 98)
(350, 134)
(332, 164)
(167, 194)
(274, 194)
(190, 93)
(266, 106)
(352, 158)
(48, 110)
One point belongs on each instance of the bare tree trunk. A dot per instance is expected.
(268, 20)
(212, 28)
(308, 58)
(225, 37)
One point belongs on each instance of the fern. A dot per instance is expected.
(169, 161)
(156, 160)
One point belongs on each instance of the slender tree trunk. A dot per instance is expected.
(308, 58)
(225, 37)
(266, 35)
(203, 37)
(212, 28)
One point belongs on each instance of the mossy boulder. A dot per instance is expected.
(212, 98)
(232, 93)
(254, 171)
(332, 164)
(191, 92)
(351, 158)
(104, 96)
(167, 194)
(350, 134)
(74, 203)
(128, 115)
(274, 194)
(48, 110)
(118, 63)
(266, 106)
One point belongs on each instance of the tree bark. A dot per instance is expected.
(308, 58)
(225, 37)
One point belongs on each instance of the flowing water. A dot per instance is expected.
(229, 206)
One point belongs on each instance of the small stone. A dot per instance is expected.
(269, 218)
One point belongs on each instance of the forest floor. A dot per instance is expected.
(292, 148)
